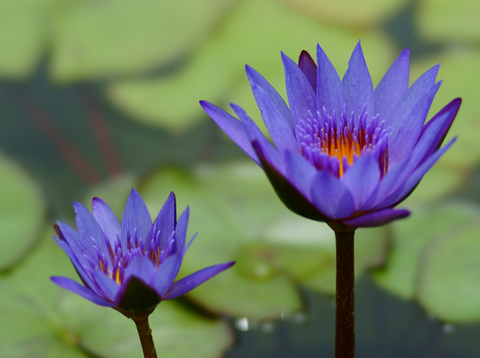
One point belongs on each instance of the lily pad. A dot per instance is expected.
(413, 237)
(449, 20)
(239, 217)
(449, 282)
(254, 33)
(94, 39)
(461, 78)
(347, 12)
(23, 36)
(22, 212)
(39, 319)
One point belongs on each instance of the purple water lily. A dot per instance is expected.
(345, 154)
(129, 266)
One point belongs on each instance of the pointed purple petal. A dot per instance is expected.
(140, 267)
(181, 230)
(75, 287)
(436, 129)
(136, 218)
(257, 81)
(331, 196)
(188, 283)
(377, 218)
(413, 179)
(106, 219)
(280, 131)
(166, 273)
(256, 135)
(88, 227)
(403, 138)
(300, 172)
(166, 221)
(392, 86)
(301, 96)
(232, 127)
(79, 246)
(109, 287)
(358, 84)
(330, 92)
(309, 68)
(361, 179)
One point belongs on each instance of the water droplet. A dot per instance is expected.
(300, 317)
(241, 324)
(448, 328)
(267, 327)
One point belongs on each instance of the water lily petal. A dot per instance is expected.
(88, 227)
(358, 84)
(309, 68)
(136, 219)
(189, 282)
(300, 172)
(83, 291)
(181, 230)
(377, 218)
(301, 96)
(330, 92)
(106, 219)
(392, 86)
(257, 81)
(166, 273)
(232, 127)
(164, 224)
(361, 179)
(331, 196)
(109, 287)
(403, 139)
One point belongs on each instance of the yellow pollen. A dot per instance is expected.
(342, 146)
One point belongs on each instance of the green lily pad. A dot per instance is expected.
(459, 71)
(449, 282)
(92, 39)
(247, 36)
(22, 212)
(239, 217)
(413, 237)
(347, 12)
(22, 36)
(449, 20)
(40, 319)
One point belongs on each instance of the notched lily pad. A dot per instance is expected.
(22, 211)
(413, 237)
(449, 277)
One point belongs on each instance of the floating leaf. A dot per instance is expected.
(39, 319)
(22, 36)
(449, 281)
(96, 39)
(21, 212)
(347, 12)
(253, 34)
(412, 237)
(449, 20)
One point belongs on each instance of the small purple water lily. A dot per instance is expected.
(345, 154)
(129, 266)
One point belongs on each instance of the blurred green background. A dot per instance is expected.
(98, 96)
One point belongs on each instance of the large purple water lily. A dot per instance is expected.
(345, 153)
(129, 266)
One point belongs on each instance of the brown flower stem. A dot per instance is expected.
(145, 334)
(345, 295)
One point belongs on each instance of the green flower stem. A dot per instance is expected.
(345, 295)
(145, 334)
